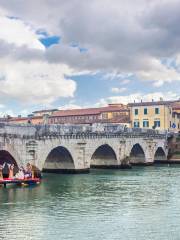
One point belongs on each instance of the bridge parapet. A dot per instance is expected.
(73, 132)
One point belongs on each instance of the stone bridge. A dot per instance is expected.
(54, 151)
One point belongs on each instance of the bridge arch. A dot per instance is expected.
(160, 155)
(137, 154)
(59, 159)
(104, 157)
(6, 157)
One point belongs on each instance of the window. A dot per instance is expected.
(105, 115)
(136, 124)
(145, 111)
(136, 111)
(157, 123)
(145, 123)
(115, 114)
(156, 110)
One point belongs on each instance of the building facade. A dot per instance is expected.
(41, 113)
(27, 120)
(155, 115)
(113, 113)
(37, 117)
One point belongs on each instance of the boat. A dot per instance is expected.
(19, 182)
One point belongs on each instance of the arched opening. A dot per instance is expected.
(160, 155)
(59, 160)
(104, 157)
(137, 155)
(6, 157)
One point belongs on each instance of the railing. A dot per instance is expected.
(84, 136)
(76, 131)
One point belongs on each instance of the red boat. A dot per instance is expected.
(20, 182)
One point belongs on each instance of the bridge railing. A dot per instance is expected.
(76, 131)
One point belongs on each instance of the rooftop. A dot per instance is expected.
(46, 110)
(176, 105)
(24, 118)
(152, 103)
(90, 111)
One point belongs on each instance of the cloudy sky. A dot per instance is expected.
(77, 53)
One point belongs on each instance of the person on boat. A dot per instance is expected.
(1, 170)
(11, 170)
(28, 172)
(20, 173)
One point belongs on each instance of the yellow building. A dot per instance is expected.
(155, 115)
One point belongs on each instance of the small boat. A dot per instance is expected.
(19, 182)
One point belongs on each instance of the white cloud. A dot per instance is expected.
(35, 82)
(159, 73)
(137, 97)
(125, 82)
(25, 74)
(2, 106)
(133, 43)
(118, 90)
(15, 31)
(70, 106)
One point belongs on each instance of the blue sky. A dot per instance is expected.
(85, 55)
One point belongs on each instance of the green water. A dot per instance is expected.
(141, 203)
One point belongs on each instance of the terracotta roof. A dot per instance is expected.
(24, 118)
(46, 110)
(18, 118)
(176, 105)
(88, 111)
(120, 119)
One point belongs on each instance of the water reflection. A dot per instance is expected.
(141, 203)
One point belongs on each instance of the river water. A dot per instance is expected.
(140, 203)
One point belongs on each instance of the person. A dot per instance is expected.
(1, 173)
(20, 173)
(28, 172)
(11, 170)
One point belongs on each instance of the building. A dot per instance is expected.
(27, 120)
(155, 115)
(5, 119)
(176, 106)
(176, 114)
(37, 117)
(41, 113)
(113, 113)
